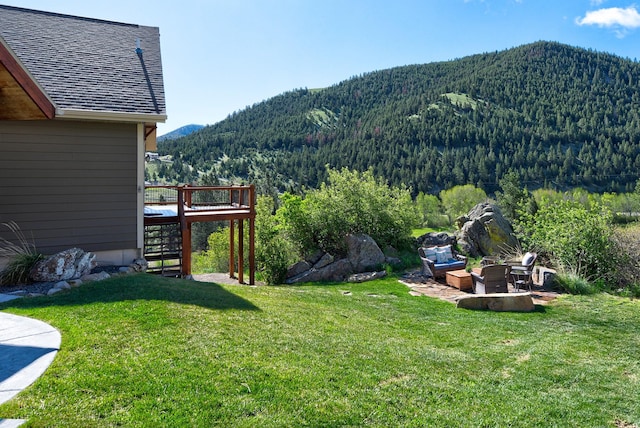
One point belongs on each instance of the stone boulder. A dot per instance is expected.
(436, 239)
(336, 271)
(366, 276)
(67, 264)
(298, 268)
(485, 232)
(363, 253)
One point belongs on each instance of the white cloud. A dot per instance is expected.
(613, 17)
(597, 2)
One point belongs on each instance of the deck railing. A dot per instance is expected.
(210, 203)
(160, 195)
(202, 197)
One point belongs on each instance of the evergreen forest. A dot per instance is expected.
(557, 116)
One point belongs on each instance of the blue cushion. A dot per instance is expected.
(450, 264)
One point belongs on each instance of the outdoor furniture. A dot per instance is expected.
(491, 279)
(522, 273)
(437, 261)
(460, 279)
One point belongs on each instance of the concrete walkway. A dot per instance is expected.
(27, 348)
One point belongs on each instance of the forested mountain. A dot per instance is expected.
(180, 132)
(557, 115)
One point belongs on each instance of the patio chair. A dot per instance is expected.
(491, 279)
(522, 274)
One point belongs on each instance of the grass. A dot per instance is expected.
(423, 230)
(151, 351)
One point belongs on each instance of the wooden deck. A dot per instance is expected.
(185, 205)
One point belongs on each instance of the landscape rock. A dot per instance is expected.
(298, 268)
(75, 282)
(498, 302)
(363, 253)
(366, 276)
(325, 260)
(63, 285)
(315, 257)
(68, 264)
(543, 276)
(363, 256)
(485, 232)
(139, 265)
(336, 271)
(53, 291)
(99, 276)
(436, 239)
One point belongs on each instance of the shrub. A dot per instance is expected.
(22, 255)
(216, 257)
(274, 252)
(430, 210)
(576, 239)
(513, 198)
(459, 200)
(628, 240)
(571, 282)
(351, 203)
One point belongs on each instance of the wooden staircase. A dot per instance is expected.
(163, 248)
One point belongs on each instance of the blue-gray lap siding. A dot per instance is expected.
(70, 184)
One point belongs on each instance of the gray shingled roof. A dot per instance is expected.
(88, 64)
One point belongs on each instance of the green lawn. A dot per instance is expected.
(157, 352)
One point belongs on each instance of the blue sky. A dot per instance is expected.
(220, 56)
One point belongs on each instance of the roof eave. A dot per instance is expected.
(109, 116)
(26, 81)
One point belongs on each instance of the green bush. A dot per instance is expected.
(351, 203)
(459, 200)
(216, 257)
(431, 212)
(576, 239)
(274, 252)
(575, 284)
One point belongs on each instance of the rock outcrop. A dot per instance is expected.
(485, 232)
(363, 256)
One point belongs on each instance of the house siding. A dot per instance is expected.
(70, 184)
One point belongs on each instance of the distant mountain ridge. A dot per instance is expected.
(557, 115)
(180, 132)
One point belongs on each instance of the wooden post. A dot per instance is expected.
(252, 233)
(186, 250)
(231, 245)
(185, 229)
(252, 252)
(241, 251)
